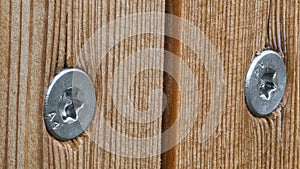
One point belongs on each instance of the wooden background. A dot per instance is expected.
(38, 38)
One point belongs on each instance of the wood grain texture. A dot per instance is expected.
(238, 29)
(39, 38)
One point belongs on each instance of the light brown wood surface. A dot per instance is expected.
(38, 38)
(238, 29)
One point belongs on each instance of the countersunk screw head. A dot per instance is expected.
(265, 83)
(69, 104)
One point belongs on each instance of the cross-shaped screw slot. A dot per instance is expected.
(69, 105)
(267, 84)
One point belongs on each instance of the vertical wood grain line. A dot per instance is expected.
(8, 89)
(18, 88)
(170, 86)
(27, 108)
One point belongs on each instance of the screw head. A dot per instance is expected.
(69, 104)
(265, 83)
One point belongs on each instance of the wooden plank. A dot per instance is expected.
(22, 64)
(38, 39)
(238, 29)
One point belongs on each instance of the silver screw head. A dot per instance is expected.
(69, 104)
(265, 83)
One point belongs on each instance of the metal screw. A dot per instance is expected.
(69, 104)
(265, 83)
